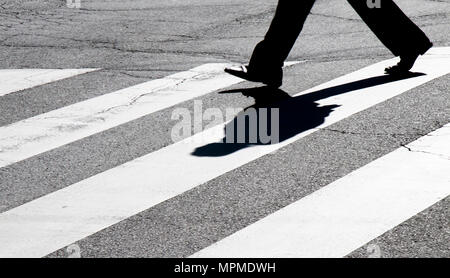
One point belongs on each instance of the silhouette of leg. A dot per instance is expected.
(270, 54)
(395, 30)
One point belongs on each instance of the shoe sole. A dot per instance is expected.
(245, 76)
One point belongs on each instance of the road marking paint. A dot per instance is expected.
(13, 80)
(350, 212)
(56, 220)
(32, 136)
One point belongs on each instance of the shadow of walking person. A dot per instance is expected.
(276, 116)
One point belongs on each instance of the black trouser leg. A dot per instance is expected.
(394, 29)
(287, 24)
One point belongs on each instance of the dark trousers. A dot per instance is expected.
(394, 29)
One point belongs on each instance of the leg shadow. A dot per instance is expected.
(295, 114)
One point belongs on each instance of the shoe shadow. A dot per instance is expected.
(295, 114)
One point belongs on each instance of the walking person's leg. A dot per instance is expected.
(269, 55)
(395, 30)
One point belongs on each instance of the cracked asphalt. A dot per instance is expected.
(136, 41)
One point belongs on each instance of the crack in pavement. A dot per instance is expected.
(218, 55)
(136, 99)
(395, 135)
(425, 152)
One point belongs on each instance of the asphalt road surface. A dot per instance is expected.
(90, 166)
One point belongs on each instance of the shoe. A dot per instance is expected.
(406, 62)
(271, 79)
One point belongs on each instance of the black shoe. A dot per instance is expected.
(406, 62)
(270, 78)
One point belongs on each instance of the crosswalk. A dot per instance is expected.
(65, 125)
(330, 222)
(352, 211)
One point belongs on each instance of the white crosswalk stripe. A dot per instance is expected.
(12, 80)
(58, 219)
